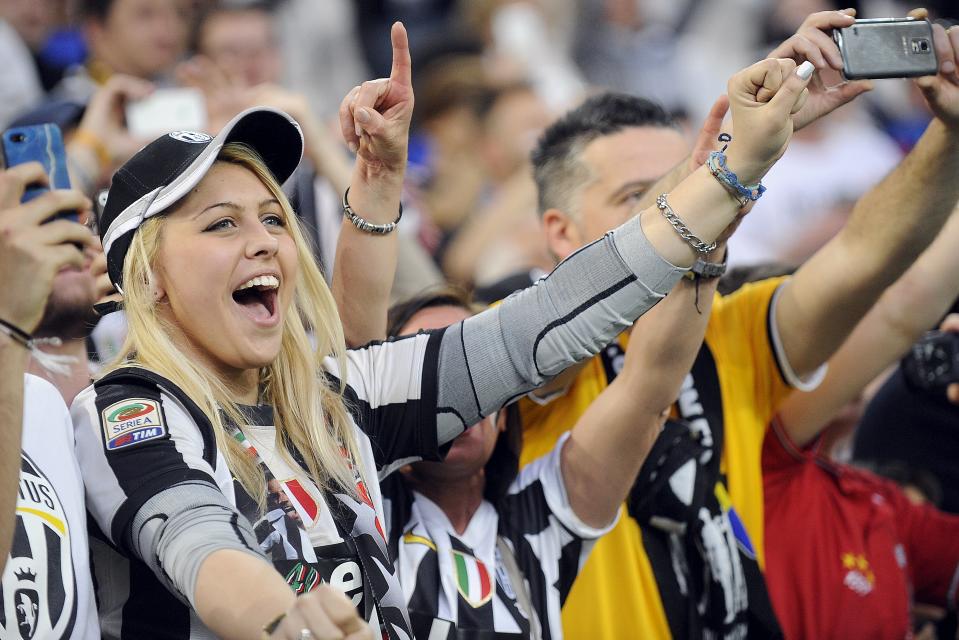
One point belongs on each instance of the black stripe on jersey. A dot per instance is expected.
(577, 311)
(152, 612)
(21, 543)
(467, 616)
(770, 318)
(143, 378)
(56, 596)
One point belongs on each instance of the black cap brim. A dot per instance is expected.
(140, 190)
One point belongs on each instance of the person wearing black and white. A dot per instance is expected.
(481, 548)
(220, 385)
(45, 585)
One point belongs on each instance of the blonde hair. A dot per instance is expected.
(308, 412)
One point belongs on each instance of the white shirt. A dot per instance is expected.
(47, 590)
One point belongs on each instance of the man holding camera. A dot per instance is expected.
(46, 586)
(683, 563)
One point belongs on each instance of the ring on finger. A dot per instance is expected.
(306, 634)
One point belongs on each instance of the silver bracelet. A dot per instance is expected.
(683, 231)
(365, 225)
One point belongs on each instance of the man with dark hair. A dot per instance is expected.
(45, 582)
(140, 38)
(685, 562)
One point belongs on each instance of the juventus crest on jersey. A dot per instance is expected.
(39, 585)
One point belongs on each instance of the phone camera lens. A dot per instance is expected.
(18, 137)
(924, 46)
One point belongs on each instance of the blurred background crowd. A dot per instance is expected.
(489, 76)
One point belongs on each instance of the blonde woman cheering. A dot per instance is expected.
(230, 457)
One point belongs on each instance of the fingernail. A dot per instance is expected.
(358, 130)
(353, 147)
(363, 115)
(805, 70)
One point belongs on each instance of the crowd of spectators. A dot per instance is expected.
(659, 427)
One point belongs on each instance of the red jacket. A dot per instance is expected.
(846, 552)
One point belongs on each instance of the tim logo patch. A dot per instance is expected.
(131, 422)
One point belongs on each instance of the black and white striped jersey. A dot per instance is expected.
(45, 585)
(162, 495)
(454, 583)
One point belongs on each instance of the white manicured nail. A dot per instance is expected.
(805, 70)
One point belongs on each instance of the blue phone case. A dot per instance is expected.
(41, 143)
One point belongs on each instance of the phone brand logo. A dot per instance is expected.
(190, 136)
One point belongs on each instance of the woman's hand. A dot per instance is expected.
(763, 99)
(375, 116)
(323, 614)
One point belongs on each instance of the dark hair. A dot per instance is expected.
(503, 465)
(97, 9)
(443, 296)
(556, 165)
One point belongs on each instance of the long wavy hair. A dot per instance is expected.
(309, 413)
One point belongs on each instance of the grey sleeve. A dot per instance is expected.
(568, 316)
(178, 528)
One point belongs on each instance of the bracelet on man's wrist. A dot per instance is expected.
(680, 227)
(365, 225)
(703, 270)
(93, 142)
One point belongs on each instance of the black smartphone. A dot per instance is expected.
(41, 143)
(933, 362)
(887, 48)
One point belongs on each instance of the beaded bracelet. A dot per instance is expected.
(683, 231)
(743, 193)
(365, 225)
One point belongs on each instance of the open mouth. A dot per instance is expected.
(257, 296)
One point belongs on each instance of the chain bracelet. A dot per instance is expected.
(683, 231)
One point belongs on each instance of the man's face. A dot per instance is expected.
(622, 166)
(69, 312)
(144, 38)
(243, 45)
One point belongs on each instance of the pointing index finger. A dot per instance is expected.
(402, 70)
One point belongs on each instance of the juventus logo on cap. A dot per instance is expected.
(190, 136)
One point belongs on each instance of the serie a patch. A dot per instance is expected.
(131, 422)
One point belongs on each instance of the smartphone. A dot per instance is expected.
(41, 143)
(933, 362)
(167, 110)
(887, 48)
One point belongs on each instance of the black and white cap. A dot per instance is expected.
(165, 171)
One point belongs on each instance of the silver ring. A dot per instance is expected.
(306, 634)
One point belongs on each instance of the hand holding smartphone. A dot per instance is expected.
(887, 48)
(44, 144)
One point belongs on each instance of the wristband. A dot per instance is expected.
(702, 270)
(90, 140)
(365, 225)
(17, 334)
(743, 193)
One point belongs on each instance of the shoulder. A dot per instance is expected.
(132, 405)
(41, 395)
